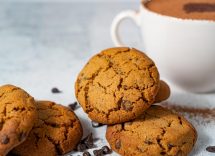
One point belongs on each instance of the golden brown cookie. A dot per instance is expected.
(117, 85)
(163, 92)
(17, 116)
(157, 132)
(57, 131)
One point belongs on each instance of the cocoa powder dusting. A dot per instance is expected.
(205, 113)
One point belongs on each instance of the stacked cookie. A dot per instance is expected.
(117, 87)
(36, 128)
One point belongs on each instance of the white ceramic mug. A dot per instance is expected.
(183, 49)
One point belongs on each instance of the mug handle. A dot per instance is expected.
(129, 14)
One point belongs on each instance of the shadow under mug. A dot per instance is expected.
(183, 49)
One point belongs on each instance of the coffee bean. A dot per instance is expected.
(86, 154)
(211, 149)
(106, 150)
(127, 105)
(55, 90)
(96, 124)
(98, 152)
(88, 141)
(118, 144)
(81, 147)
(5, 139)
(73, 105)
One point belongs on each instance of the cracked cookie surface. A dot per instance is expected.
(117, 85)
(17, 116)
(158, 132)
(57, 131)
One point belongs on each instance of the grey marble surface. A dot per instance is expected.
(60, 37)
(45, 44)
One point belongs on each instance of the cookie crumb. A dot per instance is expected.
(55, 90)
(211, 149)
(5, 139)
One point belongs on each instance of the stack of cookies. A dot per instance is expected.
(35, 128)
(118, 87)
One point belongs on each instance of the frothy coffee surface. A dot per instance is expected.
(186, 9)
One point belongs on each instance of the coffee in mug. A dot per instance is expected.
(185, 9)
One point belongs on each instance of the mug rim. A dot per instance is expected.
(144, 8)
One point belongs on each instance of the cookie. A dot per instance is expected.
(57, 131)
(117, 85)
(17, 116)
(163, 93)
(157, 132)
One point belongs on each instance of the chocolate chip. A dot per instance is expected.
(88, 141)
(170, 146)
(148, 142)
(86, 154)
(163, 153)
(211, 149)
(5, 139)
(73, 105)
(180, 121)
(118, 144)
(98, 152)
(81, 147)
(96, 124)
(22, 136)
(106, 150)
(1, 126)
(56, 90)
(127, 105)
